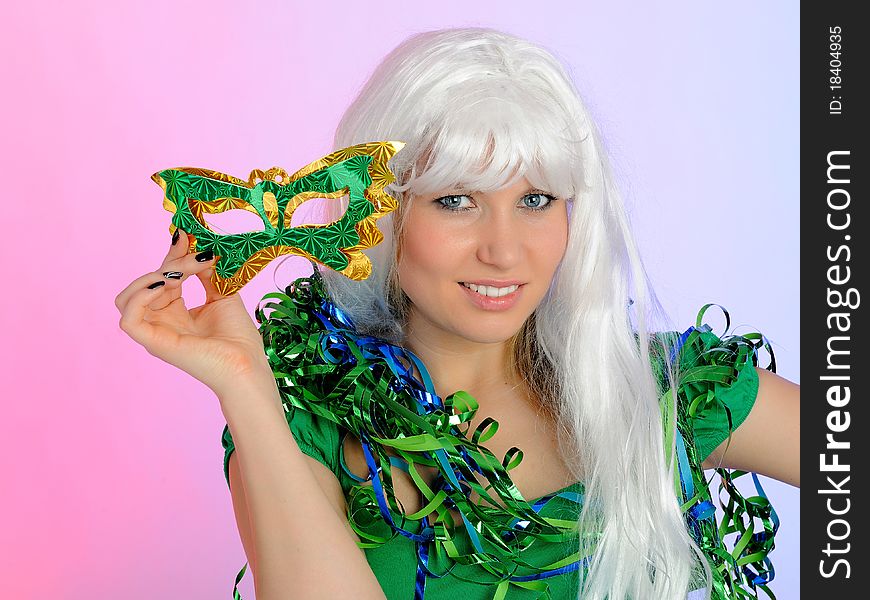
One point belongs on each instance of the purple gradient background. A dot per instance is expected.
(113, 485)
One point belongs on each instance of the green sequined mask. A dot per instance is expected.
(359, 172)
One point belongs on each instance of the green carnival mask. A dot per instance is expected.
(360, 172)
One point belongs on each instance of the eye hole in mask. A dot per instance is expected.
(359, 172)
(237, 221)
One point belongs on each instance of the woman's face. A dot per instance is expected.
(506, 243)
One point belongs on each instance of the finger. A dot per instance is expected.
(179, 268)
(211, 291)
(171, 293)
(178, 246)
(137, 284)
(122, 299)
(190, 264)
(133, 321)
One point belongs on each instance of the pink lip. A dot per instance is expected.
(494, 304)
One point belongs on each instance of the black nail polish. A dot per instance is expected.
(173, 274)
(175, 236)
(204, 256)
(156, 284)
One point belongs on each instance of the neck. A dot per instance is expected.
(481, 369)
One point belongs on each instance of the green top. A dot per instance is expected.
(395, 563)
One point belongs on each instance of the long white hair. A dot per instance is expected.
(479, 108)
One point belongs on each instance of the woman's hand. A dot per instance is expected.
(217, 343)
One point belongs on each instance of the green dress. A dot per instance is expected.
(712, 406)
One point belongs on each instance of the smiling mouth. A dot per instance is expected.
(491, 291)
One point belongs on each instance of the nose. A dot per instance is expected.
(500, 240)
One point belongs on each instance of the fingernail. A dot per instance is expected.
(175, 236)
(156, 284)
(204, 256)
(173, 274)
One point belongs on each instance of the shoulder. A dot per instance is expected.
(768, 439)
(730, 402)
(713, 377)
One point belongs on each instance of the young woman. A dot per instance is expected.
(507, 272)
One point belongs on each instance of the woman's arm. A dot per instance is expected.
(768, 441)
(328, 483)
(302, 545)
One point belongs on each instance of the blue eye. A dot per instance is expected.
(452, 203)
(547, 200)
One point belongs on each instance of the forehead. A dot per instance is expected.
(486, 166)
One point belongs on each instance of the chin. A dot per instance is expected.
(490, 335)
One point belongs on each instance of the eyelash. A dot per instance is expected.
(442, 206)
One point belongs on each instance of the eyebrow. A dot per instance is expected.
(529, 190)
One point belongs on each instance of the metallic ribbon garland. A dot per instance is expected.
(708, 364)
(383, 395)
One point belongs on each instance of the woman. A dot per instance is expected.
(509, 270)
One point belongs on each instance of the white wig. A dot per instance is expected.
(478, 109)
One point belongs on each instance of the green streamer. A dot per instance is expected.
(323, 366)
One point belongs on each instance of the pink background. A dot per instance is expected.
(112, 461)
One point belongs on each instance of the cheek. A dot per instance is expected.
(561, 245)
(421, 247)
(554, 241)
(425, 255)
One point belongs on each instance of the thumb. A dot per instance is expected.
(207, 279)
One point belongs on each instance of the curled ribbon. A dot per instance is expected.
(383, 395)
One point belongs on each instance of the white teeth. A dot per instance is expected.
(492, 292)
